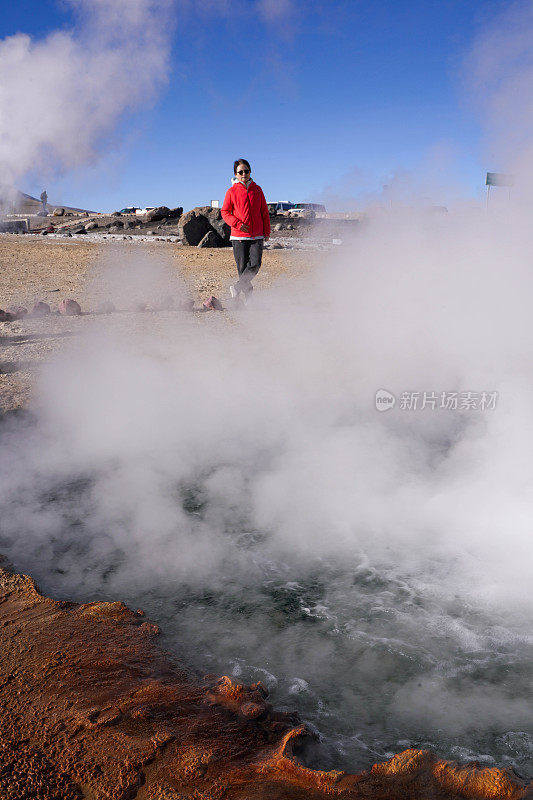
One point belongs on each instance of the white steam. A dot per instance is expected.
(64, 94)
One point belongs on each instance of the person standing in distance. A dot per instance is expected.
(246, 212)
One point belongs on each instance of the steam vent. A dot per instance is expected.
(93, 708)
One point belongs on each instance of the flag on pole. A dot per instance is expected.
(499, 179)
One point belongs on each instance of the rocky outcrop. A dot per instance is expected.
(93, 708)
(163, 213)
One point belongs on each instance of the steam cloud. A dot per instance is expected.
(62, 95)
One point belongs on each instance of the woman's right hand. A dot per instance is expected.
(245, 228)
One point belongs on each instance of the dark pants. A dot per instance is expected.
(248, 254)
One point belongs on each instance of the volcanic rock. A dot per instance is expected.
(278, 226)
(69, 308)
(163, 213)
(92, 708)
(91, 226)
(117, 223)
(214, 218)
(193, 227)
(211, 239)
(213, 304)
(40, 309)
(17, 312)
(78, 229)
(58, 212)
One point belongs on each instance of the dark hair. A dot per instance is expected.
(238, 162)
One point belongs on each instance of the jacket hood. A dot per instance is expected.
(236, 180)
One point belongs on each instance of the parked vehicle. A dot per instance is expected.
(128, 210)
(312, 207)
(279, 206)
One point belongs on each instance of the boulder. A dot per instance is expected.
(91, 226)
(117, 223)
(163, 213)
(278, 226)
(276, 246)
(17, 312)
(58, 212)
(116, 214)
(193, 227)
(106, 307)
(214, 218)
(157, 214)
(5, 316)
(69, 308)
(211, 239)
(78, 229)
(40, 309)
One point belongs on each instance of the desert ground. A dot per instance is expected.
(50, 270)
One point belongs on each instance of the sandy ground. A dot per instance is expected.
(42, 269)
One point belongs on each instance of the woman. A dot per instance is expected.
(246, 211)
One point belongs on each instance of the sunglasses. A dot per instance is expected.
(243, 171)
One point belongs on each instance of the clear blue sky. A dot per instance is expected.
(332, 100)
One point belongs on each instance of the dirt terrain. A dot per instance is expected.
(50, 270)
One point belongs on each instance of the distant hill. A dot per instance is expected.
(12, 201)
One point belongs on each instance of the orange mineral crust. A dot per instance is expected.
(93, 708)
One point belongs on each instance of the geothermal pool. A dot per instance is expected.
(374, 656)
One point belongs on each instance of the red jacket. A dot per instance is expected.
(246, 206)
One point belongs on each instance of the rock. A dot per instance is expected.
(213, 304)
(128, 223)
(17, 312)
(157, 214)
(278, 226)
(91, 226)
(163, 213)
(116, 214)
(5, 316)
(193, 227)
(69, 308)
(276, 246)
(211, 239)
(106, 307)
(58, 212)
(117, 223)
(40, 309)
(214, 218)
(78, 229)
(13, 226)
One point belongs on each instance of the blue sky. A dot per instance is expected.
(328, 101)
